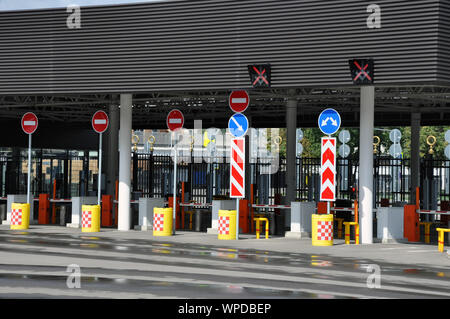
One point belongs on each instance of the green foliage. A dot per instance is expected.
(312, 136)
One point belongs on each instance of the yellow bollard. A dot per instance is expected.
(426, 231)
(347, 232)
(227, 224)
(190, 213)
(441, 232)
(258, 220)
(322, 229)
(340, 221)
(20, 216)
(90, 218)
(162, 221)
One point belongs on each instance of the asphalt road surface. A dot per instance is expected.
(40, 265)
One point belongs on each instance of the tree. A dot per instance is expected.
(312, 136)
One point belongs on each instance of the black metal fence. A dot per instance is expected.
(154, 177)
(75, 173)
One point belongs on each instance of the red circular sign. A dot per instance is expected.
(175, 120)
(239, 101)
(29, 123)
(100, 121)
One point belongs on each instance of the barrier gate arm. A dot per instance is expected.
(432, 212)
(271, 206)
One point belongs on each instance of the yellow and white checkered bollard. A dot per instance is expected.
(162, 221)
(322, 229)
(20, 216)
(227, 224)
(90, 218)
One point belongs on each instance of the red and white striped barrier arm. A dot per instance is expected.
(433, 212)
(271, 206)
(345, 209)
(342, 209)
(195, 205)
(133, 201)
(60, 200)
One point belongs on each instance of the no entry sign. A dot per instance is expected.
(29, 123)
(239, 101)
(175, 120)
(100, 122)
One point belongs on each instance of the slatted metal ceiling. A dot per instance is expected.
(444, 42)
(207, 45)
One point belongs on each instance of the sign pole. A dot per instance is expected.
(328, 203)
(29, 125)
(174, 186)
(29, 171)
(174, 121)
(100, 124)
(99, 189)
(237, 218)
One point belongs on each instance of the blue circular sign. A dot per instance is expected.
(329, 121)
(238, 125)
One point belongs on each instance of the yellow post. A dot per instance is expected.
(441, 232)
(90, 218)
(357, 234)
(20, 216)
(340, 221)
(267, 228)
(347, 233)
(162, 221)
(190, 213)
(427, 226)
(257, 220)
(440, 239)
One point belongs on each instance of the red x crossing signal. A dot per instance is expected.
(260, 75)
(362, 71)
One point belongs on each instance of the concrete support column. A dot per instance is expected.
(124, 218)
(112, 143)
(366, 163)
(415, 154)
(291, 123)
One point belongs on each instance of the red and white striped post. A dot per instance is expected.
(328, 171)
(237, 174)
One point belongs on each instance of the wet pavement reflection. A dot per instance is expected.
(310, 266)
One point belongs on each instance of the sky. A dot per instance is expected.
(39, 4)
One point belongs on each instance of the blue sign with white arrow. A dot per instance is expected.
(238, 125)
(329, 121)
